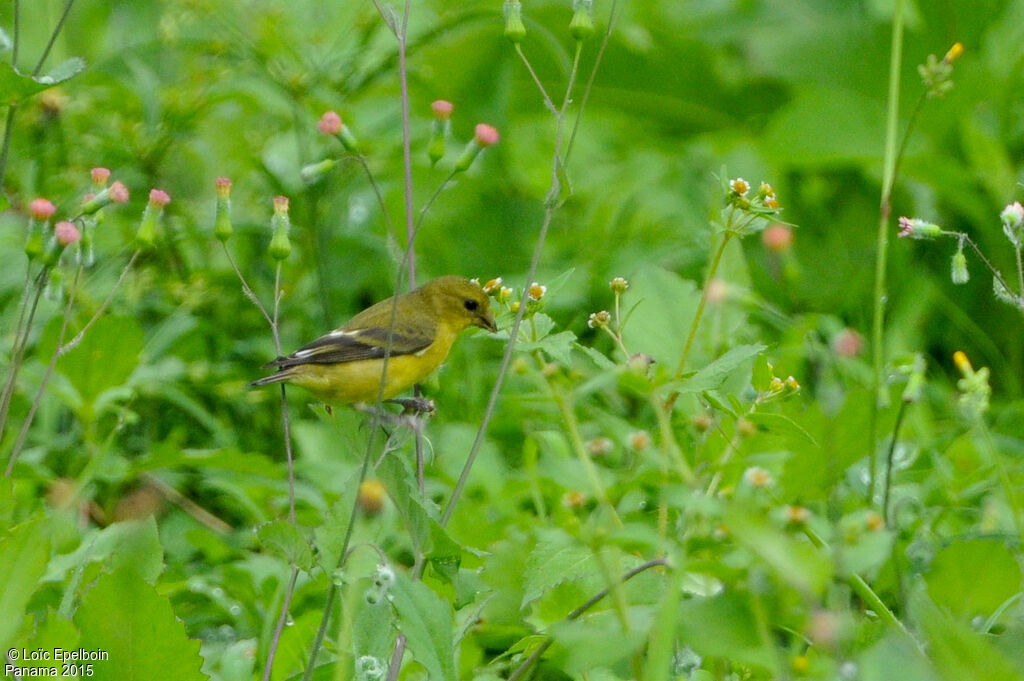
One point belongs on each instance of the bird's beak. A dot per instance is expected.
(486, 322)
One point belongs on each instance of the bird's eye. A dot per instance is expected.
(471, 305)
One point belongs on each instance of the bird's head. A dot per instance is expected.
(460, 301)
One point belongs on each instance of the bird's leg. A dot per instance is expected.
(415, 405)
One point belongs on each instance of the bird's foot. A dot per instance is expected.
(415, 405)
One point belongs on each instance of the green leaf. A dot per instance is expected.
(798, 563)
(329, 536)
(781, 424)
(53, 632)
(427, 534)
(895, 651)
(17, 86)
(284, 538)
(725, 626)
(954, 583)
(24, 550)
(958, 653)
(762, 374)
(427, 622)
(105, 358)
(124, 616)
(557, 346)
(133, 544)
(582, 644)
(666, 305)
(713, 375)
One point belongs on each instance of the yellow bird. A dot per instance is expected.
(345, 365)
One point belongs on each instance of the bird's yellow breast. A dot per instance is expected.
(359, 381)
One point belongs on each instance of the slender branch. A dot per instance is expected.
(492, 401)
(613, 16)
(37, 400)
(550, 105)
(18, 351)
(53, 38)
(525, 665)
(889, 461)
(282, 618)
(712, 270)
(73, 343)
(882, 239)
(403, 80)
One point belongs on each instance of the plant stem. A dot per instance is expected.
(282, 618)
(73, 343)
(18, 351)
(525, 665)
(37, 400)
(889, 460)
(882, 239)
(712, 270)
(492, 402)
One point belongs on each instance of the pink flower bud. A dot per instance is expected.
(847, 343)
(442, 109)
(41, 209)
(485, 135)
(330, 123)
(158, 198)
(118, 193)
(100, 177)
(777, 238)
(223, 186)
(66, 233)
(280, 204)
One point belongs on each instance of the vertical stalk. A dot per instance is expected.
(885, 208)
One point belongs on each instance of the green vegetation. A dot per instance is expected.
(727, 429)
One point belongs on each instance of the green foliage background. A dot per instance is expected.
(179, 92)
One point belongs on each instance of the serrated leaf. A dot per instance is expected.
(124, 616)
(558, 346)
(598, 358)
(24, 550)
(782, 425)
(284, 539)
(427, 622)
(556, 558)
(715, 374)
(133, 544)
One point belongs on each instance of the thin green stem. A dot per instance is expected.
(548, 104)
(871, 599)
(889, 462)
(18, 352)
(613, 16)
(525, 665)
(73, 343)
(1020, 270)
(492, 401)
(37, 400)
(53, 38)
(281, 620)
(712, 270)
(565, 407)
(882, 240)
